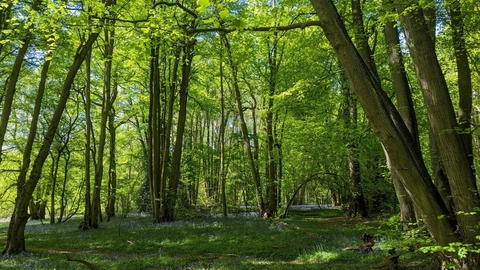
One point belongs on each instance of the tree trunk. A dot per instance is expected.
(244, 129)
(106, 110)
(441, 116)
(171, 193)
(223, 123)
(387, 124)
(112, 167)
(357, 199)
(464, 78)
(154, 166)
(14, 75)
(405, 107)
(16, 238)
(274, 61)
(87, 215)
(63, 202)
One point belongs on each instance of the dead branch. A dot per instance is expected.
(89, 265)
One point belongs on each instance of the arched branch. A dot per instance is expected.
(309, 179)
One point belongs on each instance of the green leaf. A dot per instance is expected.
(201, 9)
(208, 21)
(223, 14)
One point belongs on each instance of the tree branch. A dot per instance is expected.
(178, 5)
(257, 29)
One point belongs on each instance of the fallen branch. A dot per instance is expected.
(89, 265)
(367, 243)
(390, 262)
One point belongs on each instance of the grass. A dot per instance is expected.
(307, 240)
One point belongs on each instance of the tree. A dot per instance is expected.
(405, 107)
(15, 238)
(244, 129)
(107, 103)
(393, 133)
(11, 84)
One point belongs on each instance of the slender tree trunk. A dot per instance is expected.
(464, 78)
(244, 129)
(54, 175)
(357, 199)
(112, 167)
(14, 75)
(154, 166)
(87, 215)
(16, 231)
(63, 203)
(106, 110)
(405, 107)
(171, 193)
(223, 180)
(274, 61)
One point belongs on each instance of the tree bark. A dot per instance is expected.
(464, 78)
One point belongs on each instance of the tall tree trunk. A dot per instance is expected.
(441, 116)
(244, 129)
(54, 176)
(357, 199)
(63, 202)
(274, 61)
(112, 167)
(165, 123)
(87, 215)
(358, 204)
(405, 107)
(16, 230)
(171, 192)
(154, 166)
(106, 110)
(223, 123)
(387, 124)
(464, 78)
(394, 135)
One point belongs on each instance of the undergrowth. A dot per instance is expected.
(305, 240)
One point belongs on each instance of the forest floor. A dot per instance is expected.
(313, 239)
